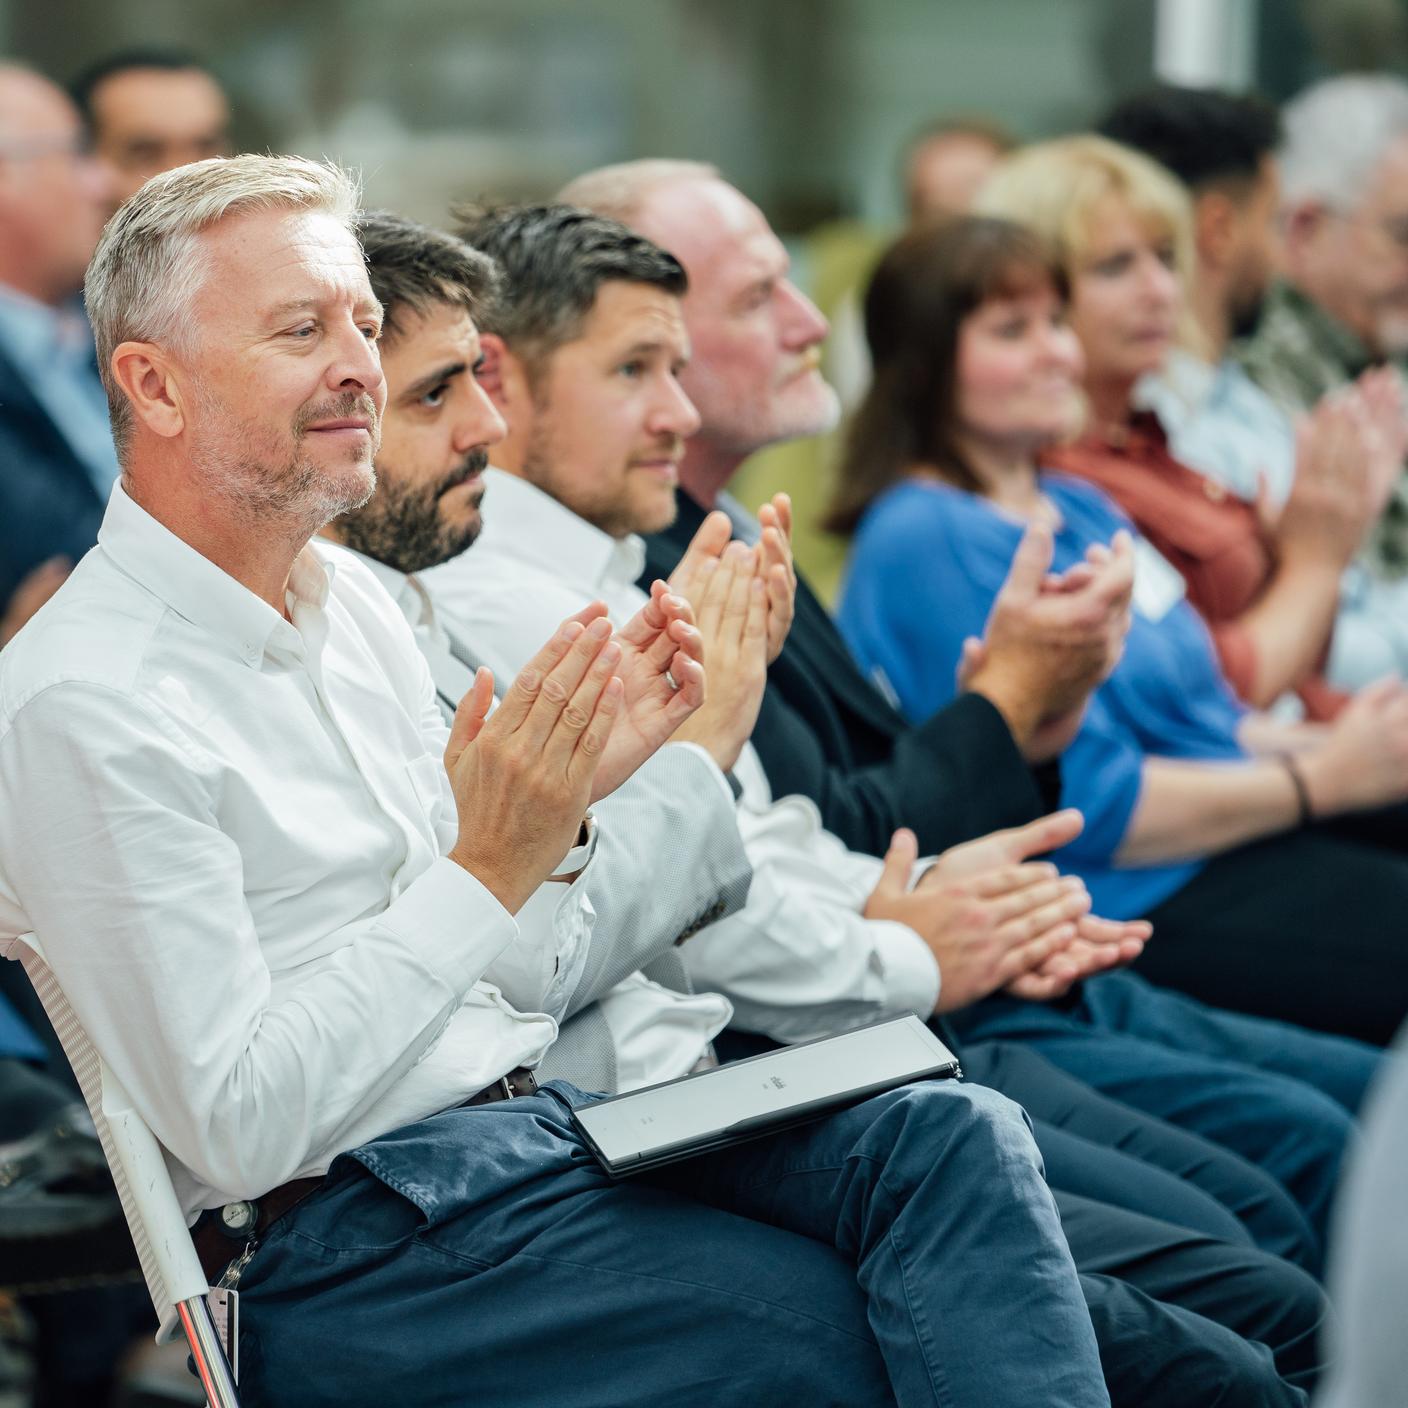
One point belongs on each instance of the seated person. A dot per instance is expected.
(281, 920)
(1120, 228)
(148, 109)
(55, 445)
(1177, 781)
(1340, 305)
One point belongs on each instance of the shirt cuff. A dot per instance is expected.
(910, 973)
(576, 859)
(452, 923)
(717, 773)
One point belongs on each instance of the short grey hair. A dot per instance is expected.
(1336, 132)
(149, 265)
(619, 191)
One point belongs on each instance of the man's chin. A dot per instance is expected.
(809, 407)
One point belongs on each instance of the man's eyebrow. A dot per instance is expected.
(309, 305)
(433, 379)
(646, 346)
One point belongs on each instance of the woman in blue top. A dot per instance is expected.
(1198, 813)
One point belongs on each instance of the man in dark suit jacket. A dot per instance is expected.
(825, 730)
(56, 459)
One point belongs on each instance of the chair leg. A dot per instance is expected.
(211, 1365)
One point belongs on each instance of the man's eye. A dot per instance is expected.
(305, 331)
(1011, 330)
(434, 397)
(631, 369)
(371, 332)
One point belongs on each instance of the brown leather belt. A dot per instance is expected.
(216, 1248)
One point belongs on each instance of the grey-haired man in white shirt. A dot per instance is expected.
(276, 893)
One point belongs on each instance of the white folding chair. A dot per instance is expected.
(175, 1281)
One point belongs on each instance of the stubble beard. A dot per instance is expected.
(293, 487)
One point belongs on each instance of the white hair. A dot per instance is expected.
(149, 264)
(619, 191)
(1336, 134)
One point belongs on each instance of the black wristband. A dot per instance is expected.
(1288, 761)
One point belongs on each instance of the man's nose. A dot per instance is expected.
(357, 366)
(481, 423)
(674, 413)
(804, 324)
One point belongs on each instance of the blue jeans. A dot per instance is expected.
(1280, 1096)
(903, 1251)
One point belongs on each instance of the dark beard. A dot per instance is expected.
(401, 525)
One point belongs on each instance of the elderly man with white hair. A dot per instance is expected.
(1342, 305)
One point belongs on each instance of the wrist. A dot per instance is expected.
(1318, 777)
(1011, 696)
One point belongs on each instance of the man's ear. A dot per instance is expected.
(1302, 222)
(147, 378)
(501, 374)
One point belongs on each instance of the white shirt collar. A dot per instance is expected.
(195, 588)
(550, 534)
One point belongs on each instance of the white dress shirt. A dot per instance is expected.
(801, 960)
(658, 1033)
(229, 833)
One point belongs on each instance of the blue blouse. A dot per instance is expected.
(928, 560)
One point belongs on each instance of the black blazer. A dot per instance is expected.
(825, 731)
(48, 504)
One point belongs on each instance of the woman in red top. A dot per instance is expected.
(1119, 226)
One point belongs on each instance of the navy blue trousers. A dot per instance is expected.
(1280, 1097)
(906, 1251)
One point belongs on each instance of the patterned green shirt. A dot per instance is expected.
(1298, 354)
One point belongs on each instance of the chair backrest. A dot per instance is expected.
(154, 1215)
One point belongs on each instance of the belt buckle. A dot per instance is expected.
(506, 1090)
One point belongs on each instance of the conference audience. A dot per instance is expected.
(582, 294)
(149, 109)
(349, 1009)
(1204, 818)
(421, 513)
(1117, 1034)
(1091, 547)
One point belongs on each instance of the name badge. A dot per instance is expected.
(1158, 584)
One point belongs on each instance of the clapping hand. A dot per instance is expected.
(773, 557)
(662, 676)
(523, 776)
(733, 614)
(1051, 638)
(1098, 944)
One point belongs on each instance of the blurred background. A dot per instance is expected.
(807, 105)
